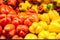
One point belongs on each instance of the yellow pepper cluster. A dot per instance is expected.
(36, 27)
(44, 31)
(48, 27)
(50, 16)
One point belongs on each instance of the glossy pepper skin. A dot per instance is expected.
(12, 3)
(36, 27)
(16, 37)
(0, 30)
(22, 30)
(5, 9)
(46, 34)
(2, 37)
(53, 14)
(3, 2)
(44, 17)
(55, 26)
(58, 36)
(10, 29)
(43, 34)
(30, 36)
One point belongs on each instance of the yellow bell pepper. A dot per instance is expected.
(43, 34)
(27, 4)
(44, 17)
(56, 13)
(44, 6)
(35, 28)
(53, 15)
(58, 20)
(58, 3)
(52, 35)
(58, 36)
(24, 6)
(43, 25)
(30, 36)
(35, 8)
(54, 27)
(32, 28)
(38, 29)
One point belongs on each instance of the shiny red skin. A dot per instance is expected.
(0, 29)
(2, 2)
(2, 37)
(9, 30)
(4, 9)
(17, 10)
(21, 21)
(3, 21)
(27, 22)
(22, 30)
(22, 17)
(19, 1)
(15, 22)
(16, 37)
(3, 32)
(2, 16)
(30, 13)
(9, 21)
(22, 34)
(11, 33)
(12, 2)
(11, 16)
(31, 18)
(12, 12)
(32, 10)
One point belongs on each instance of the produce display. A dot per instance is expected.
(30, 19)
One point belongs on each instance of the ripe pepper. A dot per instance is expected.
(58, 36)
(44, 17)
(35, 28)
(3, 2)
(53, 14)
(9, 30)
(30, 36)
(12, 2)
(43, 25)
(5, 9)
(22, 30)
(52, 35)
(54, 27)
(43, 34)
(24, 6)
